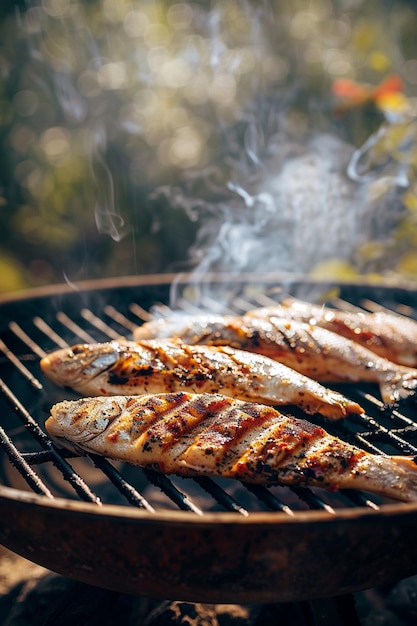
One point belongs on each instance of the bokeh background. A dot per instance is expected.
(143, 137)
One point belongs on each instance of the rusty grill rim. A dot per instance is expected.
(273, 278)
(255, 518)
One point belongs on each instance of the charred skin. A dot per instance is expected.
(169, 365)
(313, 351)
(388, 335)
(211, 434)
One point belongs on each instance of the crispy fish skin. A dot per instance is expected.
(389, 335)
(211, 434)
(313, 351)
(167, 365)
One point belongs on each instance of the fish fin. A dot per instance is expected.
(340, 409)
(393, 392)
(65, 444)
(407, 470)
(393, 477)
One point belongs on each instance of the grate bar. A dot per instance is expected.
(49, 332)
(19, 365)
(187, 306)
(365, 444)
(178, 497)
(36, 458)
(262, 299)
(99, 324)
(359, 499)
(17, 460)
(125, 488)
(220, 495)
(242, 305)
(73, 327)
(215, 306)
(344, 305)
(119, 318)
(140, 312)
(268, 498)
(394, 413)
(81, 488)
(313, 501)
(377, 430)
(23, 336)
(374, 307)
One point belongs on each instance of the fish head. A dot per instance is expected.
(80, 421)
(80, 363)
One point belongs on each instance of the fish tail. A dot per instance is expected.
(338, 408)
(406, 469)
(400, 388)
(391, 476)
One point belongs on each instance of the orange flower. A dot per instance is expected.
(351, 94)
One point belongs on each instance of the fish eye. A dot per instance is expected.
(100, 364)
(105, 360)
(78, 349)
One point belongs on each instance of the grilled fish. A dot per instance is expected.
(211, 434)
(313, 351)
(166, 365)
(391, 336)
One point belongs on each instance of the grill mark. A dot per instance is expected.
(226, 448)
(145, 415)
(263, 336)
(222, 368)
(168, 432)
(195, 368)
(146, 362)
(273, 451)
(161, 366)
(234, 365)
(291, 453)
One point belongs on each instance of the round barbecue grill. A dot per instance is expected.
(209, 540)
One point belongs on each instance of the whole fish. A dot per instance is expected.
(313, 351)
(166, 365)
(212, 434)
(391, 336)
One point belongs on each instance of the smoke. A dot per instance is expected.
(107, 218)
(223, 110)
(286, 208)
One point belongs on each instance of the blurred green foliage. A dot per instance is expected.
(102, 102)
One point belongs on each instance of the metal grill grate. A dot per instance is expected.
(35, 326)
